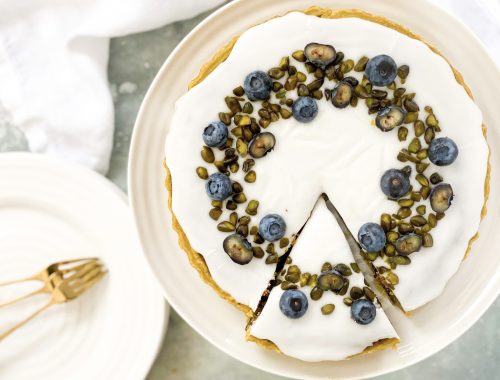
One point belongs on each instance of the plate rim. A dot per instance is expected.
(134, 151)
(50, 162)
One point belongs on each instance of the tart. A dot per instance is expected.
(335, 102)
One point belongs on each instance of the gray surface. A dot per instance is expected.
(185, 355)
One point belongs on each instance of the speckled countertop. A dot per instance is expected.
(134, 61)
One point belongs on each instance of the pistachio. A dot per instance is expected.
(421, 179)
(372, 256)
(425, 191)
(432, 220)
(310, 68)
(354, 101)
(250, 177)
(414, 146)
(436, 178)
(237, 131)
(405, 202)
(252, 207)
(272, 259)
(418, 220)
(291, 83)
(304, 279)
(240, 198)
(233, 104)
(284, 63)
(408, 244)
(404, 212)
(299, 55)
(439, 215)
(417, 197)
(419, 128)
(392, 278)
(319, 73)
(404, 228)
(421, 167)
(399, 92)
(369, 293)
(392, 236)
(285, 285)
(254, 229)
(231, 205)
(361, 64)
(221, 166)
(284, 242)
(258, 252)
(313, 281)
(330, 281)
(347, 301)
(429, 135)
(385, 222)
(248, 164)
(225, 117)
(343, 269)
(292, 70)
(242, 230)
(402, 133)
(207, 154)
(389, 250)
(302, 90)
(441, 197)
(431, 121)
(276, 73)
(355, 267)
(285, 114)
(403, 72)
(347, 66)
(326, 267)
(315, 85)
(317, 94)
(215, 213)
(427, 240)
(421, 210)
(241, 147)
(225, 226)
(234, 167)
(327, 309)
(356, 293)
(402, 260)
(316, 293)
(422, 154)
(276, 87)
(293, 277)
(202, 172)
(410, 105)
(411, 117)
(361, 92)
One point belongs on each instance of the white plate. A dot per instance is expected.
(467, 295)
(52, 210)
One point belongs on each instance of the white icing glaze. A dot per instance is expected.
(341, 153)
(314, 336)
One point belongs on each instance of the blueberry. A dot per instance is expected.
(407, 244)
(381, 70)
(257, 85)
(293, 303)
(441, 197)
(320, 55)
(363, 311)
(215, 134)
(218, 187)
(272, 227)
(342, 94)
(389, 118)
(443, 151)
(305, 109)
(371, 237)
(238, 249)
(394, 183)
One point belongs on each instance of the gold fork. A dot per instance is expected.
(63, 267)
(65, 289)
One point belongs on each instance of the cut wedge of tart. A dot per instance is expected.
(321, 308)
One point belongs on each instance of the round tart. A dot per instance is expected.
(341, 103)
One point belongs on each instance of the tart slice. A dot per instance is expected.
(322, 309)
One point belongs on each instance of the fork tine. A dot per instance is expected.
(77, 268)
(89, 283)
(78, 275)
(72, 261)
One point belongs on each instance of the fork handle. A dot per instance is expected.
(43, 289)
(23, 322)
(32, 278)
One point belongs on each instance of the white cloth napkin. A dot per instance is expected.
(53, 70)
(54, 95)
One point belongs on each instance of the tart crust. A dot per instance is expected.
(197, 261)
